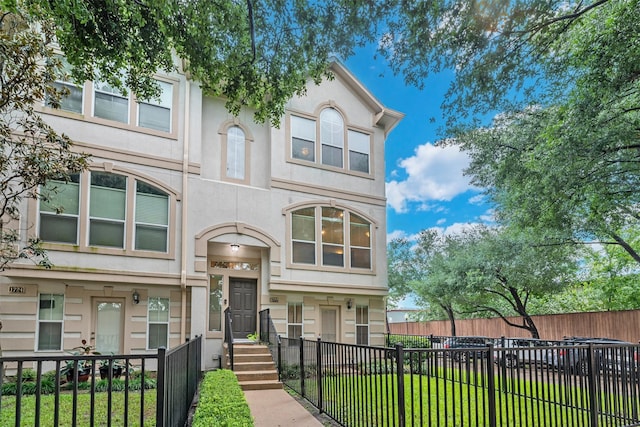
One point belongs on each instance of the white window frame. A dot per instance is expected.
(235, 165)
(334, 137)
(96, 218)
(137, 223)
(301, 323)
(165, 101)
(303, 129)
(45, 213)
(50, 321)
(360, 143)
(167, 322)
(363, 325)
(106, 89)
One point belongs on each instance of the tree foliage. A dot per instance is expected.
(488, 272)
(255, 52)
(31, 151)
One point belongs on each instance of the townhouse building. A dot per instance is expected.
(186, 210)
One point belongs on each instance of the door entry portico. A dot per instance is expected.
(243, 304)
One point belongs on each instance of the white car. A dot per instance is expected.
(514, 352)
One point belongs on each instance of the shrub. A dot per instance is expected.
(221, 402)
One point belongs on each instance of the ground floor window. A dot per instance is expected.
(215, 302)
(50, 314)
(294, 320)
(362, 325)
(158, 323)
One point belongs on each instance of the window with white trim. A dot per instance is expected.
(158, 323)
(59, 210)
(107, 209)
(152, 218)
(294, 320)
(303, 138)
(156, 113)
(215, 302)
(359, 148)
(345, 238)
(110, 103)
(362, 325)
(332, 137)
(72, 97)
(50, 316)
(106, 204)
(236, 148)
(340, 147)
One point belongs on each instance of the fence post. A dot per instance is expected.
(279, 359)
(594, 407)
(319, 374)
(160, 387)
(400, 381)
(491, 386)
(302, 391)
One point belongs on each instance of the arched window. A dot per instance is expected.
(344, 238)
(332, 137)
(109, 223)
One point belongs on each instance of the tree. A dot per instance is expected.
(562, 156)
(401, 269)
(31, 151)
(491, 272)
(257, 52)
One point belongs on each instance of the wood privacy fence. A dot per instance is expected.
(622, 325)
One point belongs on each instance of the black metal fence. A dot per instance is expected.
(91, 389)
(514, 384)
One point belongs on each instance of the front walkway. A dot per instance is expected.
(277, 408)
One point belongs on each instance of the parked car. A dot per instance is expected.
(467, 343)
(572, 355)
(514, 352)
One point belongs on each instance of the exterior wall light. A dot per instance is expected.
(235, 247)
(136, 297)
(349, 303)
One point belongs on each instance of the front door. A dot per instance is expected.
(244, 306)
(108, 327)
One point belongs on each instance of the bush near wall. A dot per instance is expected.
(222, 402)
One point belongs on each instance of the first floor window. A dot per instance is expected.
(362, 325)
(50, 314)
(294, 320)
(158, 318)
(215, 303)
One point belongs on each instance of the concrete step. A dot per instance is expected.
(257, 375)
(254, 366)
(250, 349)
(251, 358)
(260, 385)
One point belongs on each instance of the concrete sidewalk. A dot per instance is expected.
(277, 408)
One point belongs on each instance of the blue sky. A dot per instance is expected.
(425, 184)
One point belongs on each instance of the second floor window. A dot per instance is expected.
(106, 204)
(330, 237)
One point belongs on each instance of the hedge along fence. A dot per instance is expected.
(222, 402)
(551, 326)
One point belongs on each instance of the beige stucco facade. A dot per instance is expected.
(209, 211)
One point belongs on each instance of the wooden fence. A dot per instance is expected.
(623, 325)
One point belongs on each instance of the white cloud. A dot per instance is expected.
(478, 199)
(395, 234)
(441, 221)
(433, 173)
(488, 216)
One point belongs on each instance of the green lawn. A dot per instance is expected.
(461, 399)
(7, 410)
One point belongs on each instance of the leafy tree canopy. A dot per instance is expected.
(255, 52)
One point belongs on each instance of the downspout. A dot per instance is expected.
(185, 181)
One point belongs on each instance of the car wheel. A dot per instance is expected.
(510, 361)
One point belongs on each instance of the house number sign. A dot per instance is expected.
(17, 290)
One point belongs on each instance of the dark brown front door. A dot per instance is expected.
(243, 304)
